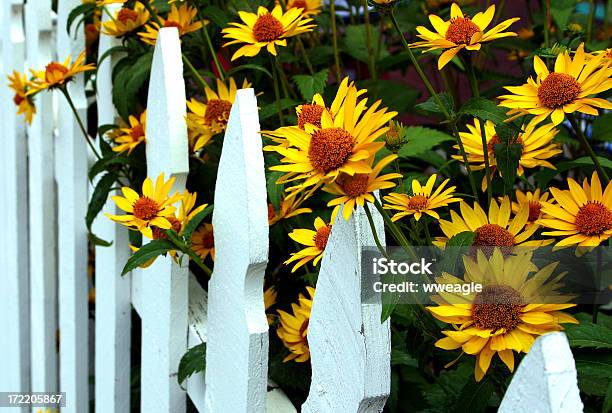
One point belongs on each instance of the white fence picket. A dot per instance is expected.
(72, 187)
(350, 348)
(237, 348)
(42, 217)
(164, 298)
(113, 292)
(14, 297)
(546, 380)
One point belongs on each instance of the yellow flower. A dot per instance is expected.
(269, 300)
(315, 242)
(343, 144)
(534, 201)
(582, 216)
(568, 89)
(309, 7)
(265, 29)
(203, 241)
(536, 144)
(352, 190)
(460, 32)
(152, 208)
(289, 208)
(129, 138)
(126, 20)
(210, 118)
(424, 200)
(493, 230)
(507, 315)
(25, 105)
(293, 328)
(58, 74)
(181, 18)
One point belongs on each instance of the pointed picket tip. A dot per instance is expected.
(546, 379)
(167, 144)
(345, 336)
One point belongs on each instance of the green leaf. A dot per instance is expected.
(196, 221)
(249, 66)
(387, 310)
(192, 362)
(430, 105)
(545, 175)
(131, 76)
(355, 42)
(589, 335)
(272, 109)
(99, 197)
(594, 372)
(607, 404)
(97, 241)
(110, 51)
(216, 15)
(420, 139)
(82, 9)
(395, 96)
(602, 128)
(474, 397)
(462, 239)
(147, 252)
(484, 109)
(508, 156)
(311, 85)
(104, 163)
(275, 191)
(561, 11)
(402, 358)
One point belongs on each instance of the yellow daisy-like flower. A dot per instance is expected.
(58, 74)
(126, 21)
(269, 300)
(315, 242)
(153, 208)
(181, 18)
(495, 229)
(127, 139)
(460, 32)
(569, 88)
(424, 200)
(266, 29)
(210, 118)
(203, 241)
(289, 208)
(536, 144)
(293, 328)
(534, 201)
(309, 7)
(507, 315)
(583, 214)
(18, 82)
(342, 144)
(352, 190)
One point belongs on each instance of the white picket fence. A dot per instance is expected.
(44, 284)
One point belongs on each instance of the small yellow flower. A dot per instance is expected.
(315, 242)
(58, 74)
(309, 7)
(460, 32)
(569, 88)
(203, 241)
(181, 18)
(126, 21)
(128, 139)
(25, 104)
(266, 29)
(289, 208)
(269, 300)
(293, 329)
(582, 215)
(534, 201)
(424, 200)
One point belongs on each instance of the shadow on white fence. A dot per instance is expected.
(44, 256)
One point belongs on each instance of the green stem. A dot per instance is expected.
(332, 12)
(395, 230)
(373, 228)
(306, 59)
(465, 160)
(371, 61)
(427, 234)
(546, 23)
(199, 79)
(80, 122)
(151, 11)
(183, 247)
(287, 91)
(212, 52)
(277, 92)
(590, 20)
(585, 144)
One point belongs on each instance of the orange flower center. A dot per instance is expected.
(160, 233)
(490, 236)
(558, 89)
(354, 185)
(417, 202)
(330, 148)
(217, 111)
(461, 30)
(496, 307)
(593, 218)
(145, 208)
(534, 211)
(52, 69)
(321, 237)
(172, 23)
(137, 132)
(127, 14)
(310, 114)
(267, 28)
(208, 239)
(17, 99)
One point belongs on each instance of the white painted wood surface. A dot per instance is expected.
(349, 347)
(165, 283)
(42, 211)
(113, 292)
(546, 380)
(237, 350)
(71, 153)
(14, 297)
